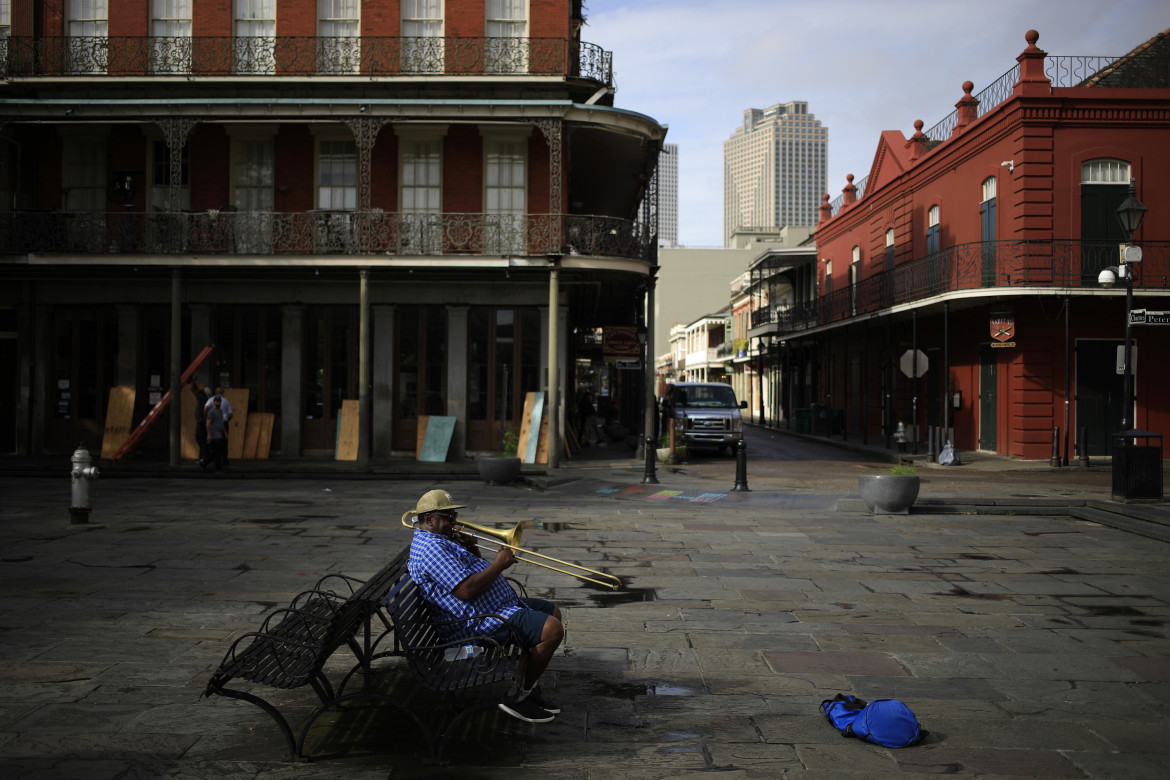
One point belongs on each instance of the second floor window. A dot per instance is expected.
(170, 33)
(506, 26)
(255, 36)
(505, 189)
(339, 45)
(421, 194)
(337, 175)
(932, 230)
(422, 34)
(1104, 185)
(88, 28)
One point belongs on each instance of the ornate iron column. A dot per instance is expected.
(176, 131)
(365, 132)
(553, 131)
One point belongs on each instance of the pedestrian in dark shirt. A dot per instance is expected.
(217, 443)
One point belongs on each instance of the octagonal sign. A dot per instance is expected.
(906, 363)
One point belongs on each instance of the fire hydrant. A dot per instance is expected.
(83, 472)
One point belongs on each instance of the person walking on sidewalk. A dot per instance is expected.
(226, 407)
(459, 584)
(217, 443)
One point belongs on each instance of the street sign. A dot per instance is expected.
(907, 363)
(1147, 317)
(627, 364)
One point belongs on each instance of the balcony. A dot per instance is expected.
(324, 232)
(277, 56)
(986, 265)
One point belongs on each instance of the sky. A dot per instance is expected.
(863, 66)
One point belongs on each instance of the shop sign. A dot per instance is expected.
(1003, 329)
(620, 341)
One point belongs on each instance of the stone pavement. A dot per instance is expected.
(1031, 642)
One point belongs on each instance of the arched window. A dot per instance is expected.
(932, 230)
(854, 279)
(1104, 185)
(987, 230)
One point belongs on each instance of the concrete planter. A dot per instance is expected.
(889, 494)
(501, 470)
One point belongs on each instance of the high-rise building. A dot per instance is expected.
(668, 195)
(774, 169)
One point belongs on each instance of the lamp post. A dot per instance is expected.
(1130, 213)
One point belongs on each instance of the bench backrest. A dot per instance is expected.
(419, 641)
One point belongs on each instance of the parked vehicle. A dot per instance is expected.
(705, 414)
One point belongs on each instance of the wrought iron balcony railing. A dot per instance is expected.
(61, 56)
(982, 265)
(320, 232)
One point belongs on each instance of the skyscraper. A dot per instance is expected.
(774, 169)
(668, 195)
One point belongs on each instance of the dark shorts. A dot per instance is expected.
(527, 623)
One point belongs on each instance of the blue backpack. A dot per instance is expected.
(886, 722)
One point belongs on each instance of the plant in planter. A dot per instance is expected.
(890, 494)
(664, 453)
(502, 467)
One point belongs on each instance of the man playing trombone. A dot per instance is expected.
(446, 565)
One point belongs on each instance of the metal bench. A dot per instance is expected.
(436, 663)
(293, 644)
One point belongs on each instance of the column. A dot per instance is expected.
(291, 380)
(382, 392)
(457, 319)
(128, 324)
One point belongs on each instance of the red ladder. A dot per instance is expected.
(148, 421)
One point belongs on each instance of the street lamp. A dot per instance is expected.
(1130, 214)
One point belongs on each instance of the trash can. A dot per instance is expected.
(820, 420)
(801, 418)
(1137, 466)
(838, 421)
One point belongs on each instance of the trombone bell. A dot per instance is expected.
(508, 538)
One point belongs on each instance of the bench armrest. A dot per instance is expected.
(350, 584)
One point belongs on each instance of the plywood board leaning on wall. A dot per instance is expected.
(119, 419)
(348, 425)
(258, 436)
(238, 398)
(436, 434)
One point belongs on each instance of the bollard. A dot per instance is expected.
(83, 471)
(651, 457)
(741, 485)
(1083, 449)
(1055, 459)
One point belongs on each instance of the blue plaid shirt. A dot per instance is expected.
(438, 565)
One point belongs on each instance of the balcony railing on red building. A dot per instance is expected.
(73, 56)
(982, 265)
(325, 232)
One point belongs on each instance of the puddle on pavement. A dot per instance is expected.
(540, 525)
(624, 596)
(632, 690)
(969, 595)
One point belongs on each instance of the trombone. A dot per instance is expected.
(511, 538)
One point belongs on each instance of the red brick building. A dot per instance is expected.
(414, 204)
(978, 244)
